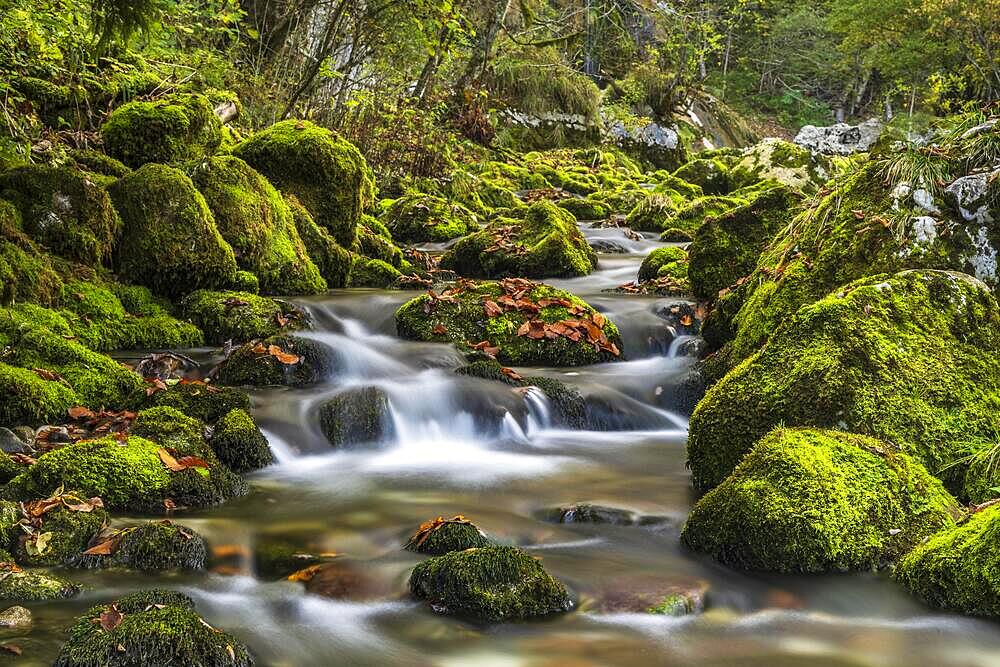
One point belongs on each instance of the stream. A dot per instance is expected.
(453, 452)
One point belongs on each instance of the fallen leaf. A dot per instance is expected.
(111, 618)
(439, 330)
(80, 412)
(13, 649)
(491, 308)
(511, 373)
(105, 548)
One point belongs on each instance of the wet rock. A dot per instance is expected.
(840, 139)
(31, 585)
(239, 444)
(793, 166)
(149, 628)
(276, 558)
(668, 261)
(58, 535)
(10, 443)
(16, 618)
(239, 316)
(808, 500)
(650, 594)
(607, 247)
(204, 402)
(588, 513)
(343, 579)
(654, 143)
(440, 536)
(490, 584)
(171, 129)
(356, 416)
(156, 546)
(421, 218)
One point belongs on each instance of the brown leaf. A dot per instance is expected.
(157, 385)
(111, 618)
(168, 460)
(80, 412)
(305, 575)
(439, 330)
(46, 374)
(13, 649)
(511, 373)
(105, 548)
(860, 215)
(599, 319)
(192, 462)
(287, 358)
(491, 308)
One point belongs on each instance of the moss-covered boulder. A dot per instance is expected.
(169, 242)
(710, 173)
(164, 464)
(529, 324)
(356, 416)
(653, 213)
(489, 584)
(236, 316)
(375, 242)
(64, 210)
(258, 224)
(726, 247)
(205, 402)
(568, 407)
(55, 536)
(69, 372)
(665, 259)
(325, 172)
(175, 128)
(155, 546)
(98, 163)
(791, 165)
(585, 208)
(910, 359)
(958, 568)
(809, 500)
(149, 628)
(545, 244)
(420, 218)
(373, 273)
(292, 361)
(333, 261)
(439, 536)
(26, 271)
(17, 585)
(239, 444)
(685, 221)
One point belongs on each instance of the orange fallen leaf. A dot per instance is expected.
(111, 618)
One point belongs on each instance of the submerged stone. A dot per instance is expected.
(489, 584)
(588, 513)
(16, 618)
(150, 628)
(807, 500)
(19, 585)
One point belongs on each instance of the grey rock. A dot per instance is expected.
(840, 139)
(11, 444)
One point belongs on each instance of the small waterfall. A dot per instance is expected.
(282, 451)
(678, 344)
(539, 410)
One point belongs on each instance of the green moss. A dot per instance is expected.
(807, 500)
(658, 259)
(236, 316)
(157, 628)
(711, 174)
(568, 406)
(621, 201)
(239, 444)
(586, 208)
(325, 172)
(333, 260)
(653, 212)
(26, 398)
(207, 403)
(675, 187)
(489, 584)
(910, 359)
(726, 247)
(375, 242)
(438, 538)
(26, 272)
(465, 321)
(32, 586)
(256, 221)
(373, 273)
(156, 546)
(95, 379)
(958, 568)
(419, 218)
(689, 217)
(63, 210)
(62, 535)
(172, 129)
(773, 159)
(170, 242)
(98, 163)
(356, 416)
(249, 366)
(546, 243)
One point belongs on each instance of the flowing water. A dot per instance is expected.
(462, 445)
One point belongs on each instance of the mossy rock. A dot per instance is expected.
(909, 358)
(98, 163)
(654, 212)
(711, 174)
(88, 378)
(129, 475)
(100, 319)
(809, 500)
(239, 444)
(692, 215)
(791, 165)
(659, 259)
(461, 318)
(155, 546)
(545, 244)
(958, 568)
(27, 273)
(204, 402)
(170, 242)
(254, 365)
(440, 536)
(373, 273)
(325, 172)
(356, 416)
(421, 218)
(375, 242)
(64, 210)
(175, 128)
(258, 224)
(156, 628)
(726, 247)
(17, 585)
(621, 201)
(333, 261)
(63, 534)
(489, 584)
(590, 513)
(586, 208)
(235, 316)
(569, 408)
